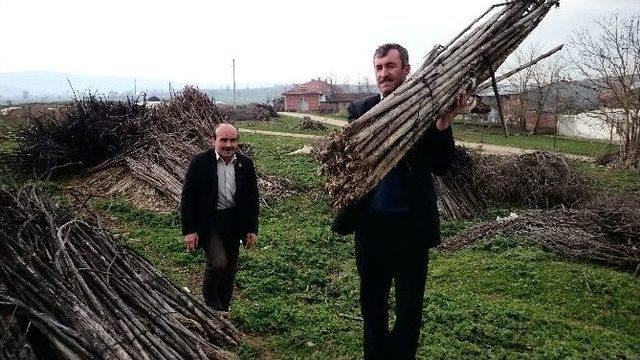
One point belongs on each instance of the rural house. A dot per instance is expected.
(319, 96)
(306, 97)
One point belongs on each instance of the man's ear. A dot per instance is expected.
(407, 69)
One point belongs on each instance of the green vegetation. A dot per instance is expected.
(611, 180)
(7, 142)
(342, 115)
(284, 124)
(297, 291)
(270, 156)
(535, 142)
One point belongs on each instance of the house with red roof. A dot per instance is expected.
(306, 97)
(318, 96)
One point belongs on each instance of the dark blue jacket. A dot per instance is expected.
(433, 154)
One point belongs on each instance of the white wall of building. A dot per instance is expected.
(590, 125)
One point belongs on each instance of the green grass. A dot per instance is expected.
(271, 157)
(611, 180)
(297, 290)
(535, 142)
(342, 115)
(7, 141)
(284, 124)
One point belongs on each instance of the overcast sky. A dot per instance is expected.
(272, 41)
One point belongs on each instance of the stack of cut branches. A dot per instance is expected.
(273, 188)
(609, 236)
(251, 112)
(363, 153)
(91, 131)
(308, 123)
(535, 180)
(458, 195)
(89, 296)
(150, 171)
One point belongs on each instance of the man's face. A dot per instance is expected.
(390, 73)
(226, 141)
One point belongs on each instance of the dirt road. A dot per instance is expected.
(484, 148)
(322, 119)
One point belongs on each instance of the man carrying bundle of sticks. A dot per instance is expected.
(397, 222)
(219, 209)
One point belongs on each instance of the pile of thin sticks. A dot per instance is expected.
(91, 297)
(458, 196)
(251, 112)
(609, 236)
(308, 123)
(357, 158)
(539, 180)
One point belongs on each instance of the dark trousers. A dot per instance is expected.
(388, 249)
(221, 250)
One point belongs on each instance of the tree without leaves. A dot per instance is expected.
(609, 60)
(521, 83)
(536, 88)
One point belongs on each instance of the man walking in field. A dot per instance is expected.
(396, 223)
(219, 209)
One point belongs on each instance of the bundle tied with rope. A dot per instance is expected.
(357, 158)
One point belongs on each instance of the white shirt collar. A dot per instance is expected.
(218, 157)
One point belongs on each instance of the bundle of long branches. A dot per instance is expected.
(367, 149)
(535, 180)
(458, 195)
(609, 236)
(90, 296)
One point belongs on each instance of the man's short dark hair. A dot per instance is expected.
(382, 51)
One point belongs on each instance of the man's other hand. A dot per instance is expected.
(251, 240)
(191, 241)
(445, 121)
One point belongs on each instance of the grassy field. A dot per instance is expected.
(463, 133)
(535, 142)
(606, 179)
(297, 291)
(284, 124)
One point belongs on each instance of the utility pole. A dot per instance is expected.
(135, 87)
(234, 82)
(170, 93)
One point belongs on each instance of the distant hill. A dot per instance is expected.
(44, 86)
(245, 96)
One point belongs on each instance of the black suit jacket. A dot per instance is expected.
(200, 195)
(433, 154)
